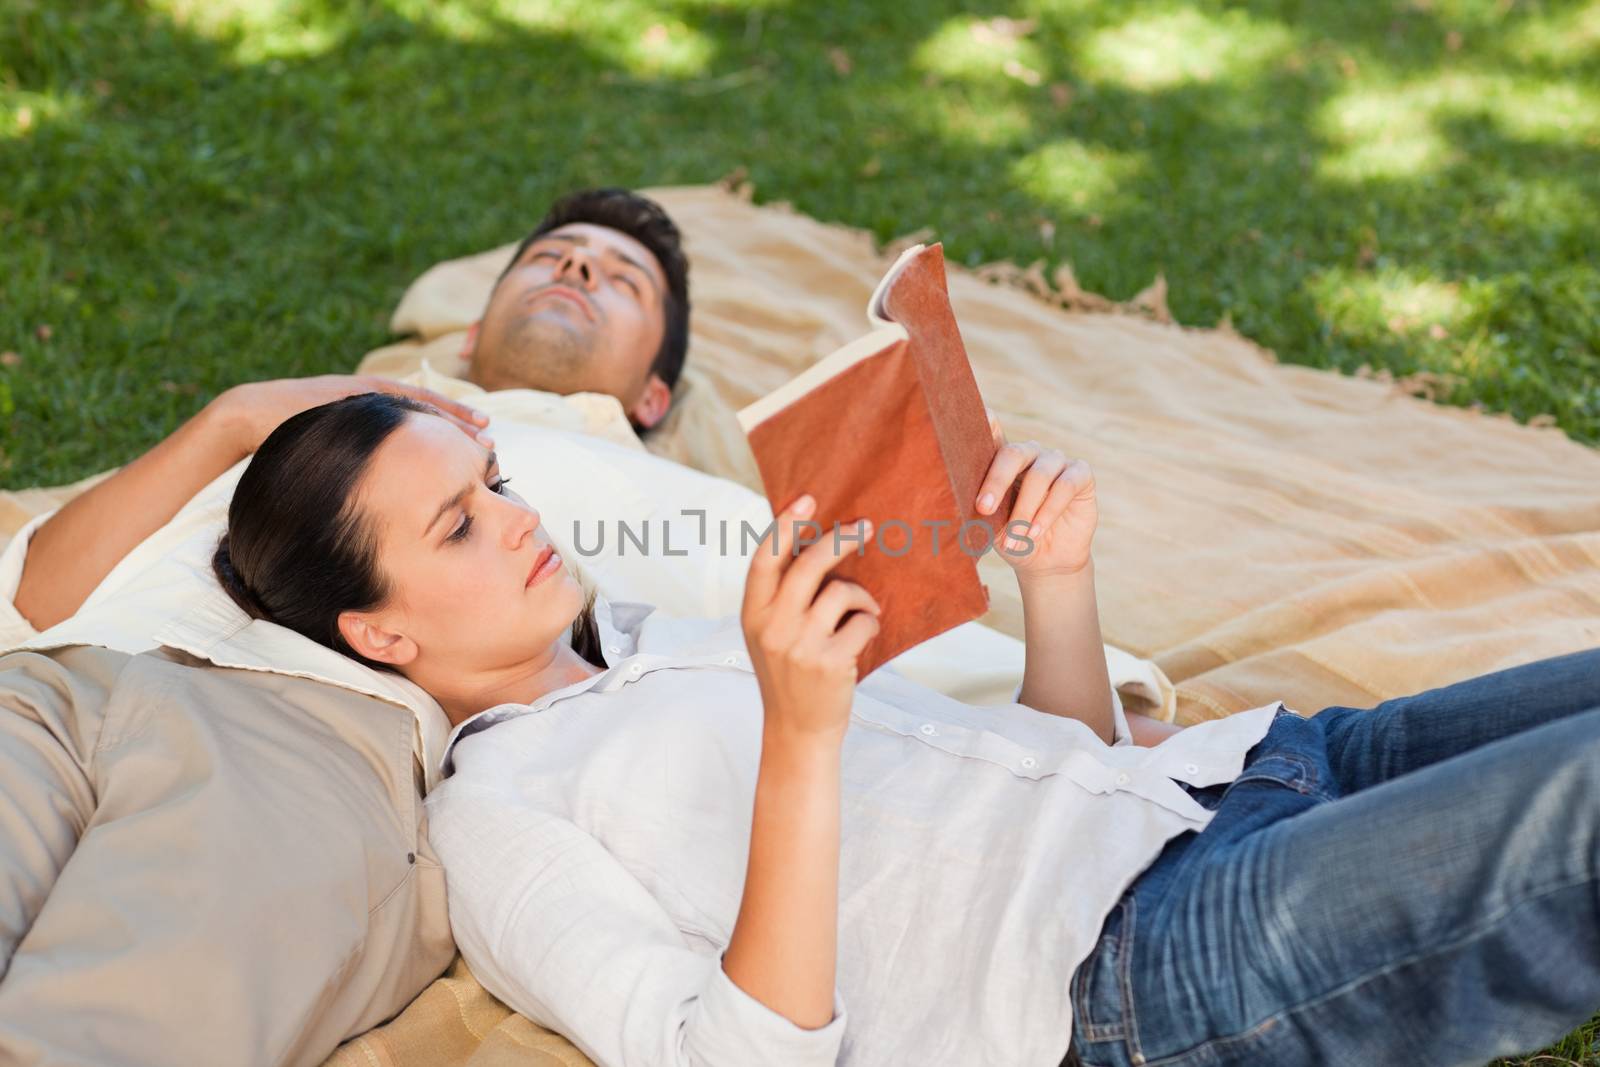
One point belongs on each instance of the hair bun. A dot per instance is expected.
(232, 584)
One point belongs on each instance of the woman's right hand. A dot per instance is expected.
(804, 660)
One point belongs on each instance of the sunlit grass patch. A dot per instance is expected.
(1368, 307)
(1185, 45)
(980, 120)
(1078, 178)
(642, 38)
(994, 50)
(1566, 37)
(1398, 129)
(261, 29)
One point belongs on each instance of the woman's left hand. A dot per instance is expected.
(1055, 501)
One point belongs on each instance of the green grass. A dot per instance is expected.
(200, 192)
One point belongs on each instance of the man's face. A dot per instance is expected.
(580, 311)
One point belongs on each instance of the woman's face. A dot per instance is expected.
(461, 555)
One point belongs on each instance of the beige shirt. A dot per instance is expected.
(201, 865)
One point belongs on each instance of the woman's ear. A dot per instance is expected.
(363, 634)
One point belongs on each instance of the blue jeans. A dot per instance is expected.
(1414, 883)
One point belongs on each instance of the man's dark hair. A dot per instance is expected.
(648, 223)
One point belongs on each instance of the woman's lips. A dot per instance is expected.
(546, 564)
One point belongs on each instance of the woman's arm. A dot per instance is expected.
(1046, 540)
(73, 552)
(782, 951)
(804, 646)
(1065, 671)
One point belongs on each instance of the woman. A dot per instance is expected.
(699, 842)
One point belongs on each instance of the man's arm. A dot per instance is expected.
(73, 552)
(76, 549)
(1065, 671)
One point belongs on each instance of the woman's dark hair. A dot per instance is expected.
(297, 551)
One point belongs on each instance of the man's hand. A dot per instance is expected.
(253, 410)
(1056, 502)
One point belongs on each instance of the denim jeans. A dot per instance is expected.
(1414, 883)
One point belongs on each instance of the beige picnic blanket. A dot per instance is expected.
(1267, 531)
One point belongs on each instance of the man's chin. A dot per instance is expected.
(546, 353)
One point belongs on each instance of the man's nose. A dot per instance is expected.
(576, 267)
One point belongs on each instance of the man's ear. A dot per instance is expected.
(371, 640)
(470, 344)
(652, 406)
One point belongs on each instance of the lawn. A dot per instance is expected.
(200, 192)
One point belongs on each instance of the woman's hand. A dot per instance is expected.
(253, 410)
(1056, 501)
(804, 659)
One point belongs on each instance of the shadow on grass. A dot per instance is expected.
(194, 203)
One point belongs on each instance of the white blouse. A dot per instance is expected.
(595, 842)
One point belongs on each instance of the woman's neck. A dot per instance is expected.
(461, 698)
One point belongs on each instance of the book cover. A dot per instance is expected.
(891, 427)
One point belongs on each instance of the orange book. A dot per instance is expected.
(891, 428)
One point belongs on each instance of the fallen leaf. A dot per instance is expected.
(1001, 28)
(841, 61)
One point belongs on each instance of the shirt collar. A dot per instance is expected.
(618, 626)
(216, 630)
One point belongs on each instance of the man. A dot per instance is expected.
(595, 299)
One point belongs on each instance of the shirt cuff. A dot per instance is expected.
(736, 1028)
(14, 629)
(1120, 733)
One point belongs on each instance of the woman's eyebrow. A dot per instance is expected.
(455, 501)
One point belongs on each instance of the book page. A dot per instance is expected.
(877, 314)
(830, 366)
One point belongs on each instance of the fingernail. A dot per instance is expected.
(485, 440)
(479, 417)
(866, 527)
(1033, 531)
(804, 505)
(986, 502)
